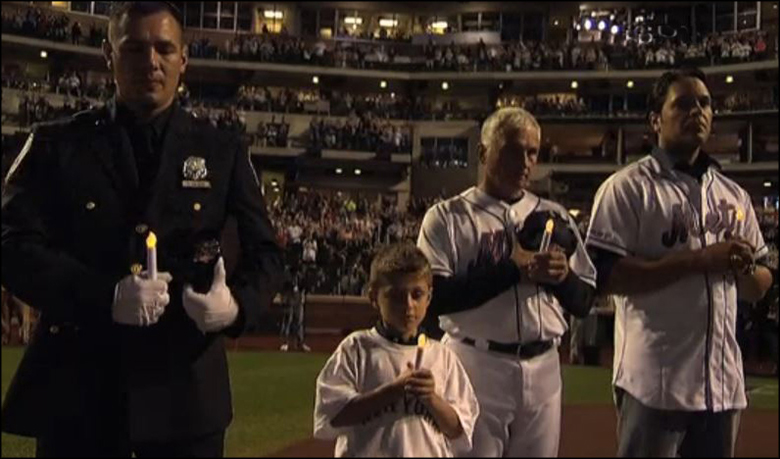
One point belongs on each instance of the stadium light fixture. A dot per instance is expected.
(602, 25)
(339, 171)
(315, 79)
(588, 24)
(614, 29)
(358, 172)
(383, 84)
(574, 84)
(729, 79)
(767, 184)
(630, 84)
(445, 86)
(44, 54)
(388, 22)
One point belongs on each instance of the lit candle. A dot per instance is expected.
(547, 236)
(420, 347)
(151, 255)
(739, 217)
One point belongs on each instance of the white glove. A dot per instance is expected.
(140, 301)
(215, 310)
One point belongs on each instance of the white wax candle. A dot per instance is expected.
(420, 348)
(151, 255)
(547, 236)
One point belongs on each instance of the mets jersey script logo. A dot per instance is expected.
(493, 247)
(685, 224)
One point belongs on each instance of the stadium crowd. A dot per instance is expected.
(520, 55)
(330, 237)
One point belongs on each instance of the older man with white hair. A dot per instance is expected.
(506, 266)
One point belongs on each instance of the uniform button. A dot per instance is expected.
(141, 228)
(196, 207)
(54, 329)
(90, 205)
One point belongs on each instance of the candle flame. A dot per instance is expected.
(151, 240)
(548, 228)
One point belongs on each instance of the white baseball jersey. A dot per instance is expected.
(675, 348)
(364, 361)
(474, 228)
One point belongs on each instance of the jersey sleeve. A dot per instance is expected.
(459, 393)
(751, 230)
(435, 242)
(614, 222)
(337, 385)
(579, 262)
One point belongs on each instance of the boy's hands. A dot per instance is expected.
(419, 383)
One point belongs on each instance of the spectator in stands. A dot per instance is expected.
(759, 49)
(293, 323)
(75, 33)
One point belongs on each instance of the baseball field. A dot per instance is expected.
(274, 396)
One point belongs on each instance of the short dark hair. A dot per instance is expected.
(120, 9)
(403, 258)
(657, 97)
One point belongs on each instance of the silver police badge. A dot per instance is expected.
(195, 173)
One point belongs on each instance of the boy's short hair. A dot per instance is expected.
(403, 258)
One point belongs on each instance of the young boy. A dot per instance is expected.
(369, 395)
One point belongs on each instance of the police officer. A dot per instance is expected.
(123, 362)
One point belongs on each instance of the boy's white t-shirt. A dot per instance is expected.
(364, 361)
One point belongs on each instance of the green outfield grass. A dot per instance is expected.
(273, 397)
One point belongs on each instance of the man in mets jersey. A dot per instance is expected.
(501, 296)
(678, 243)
